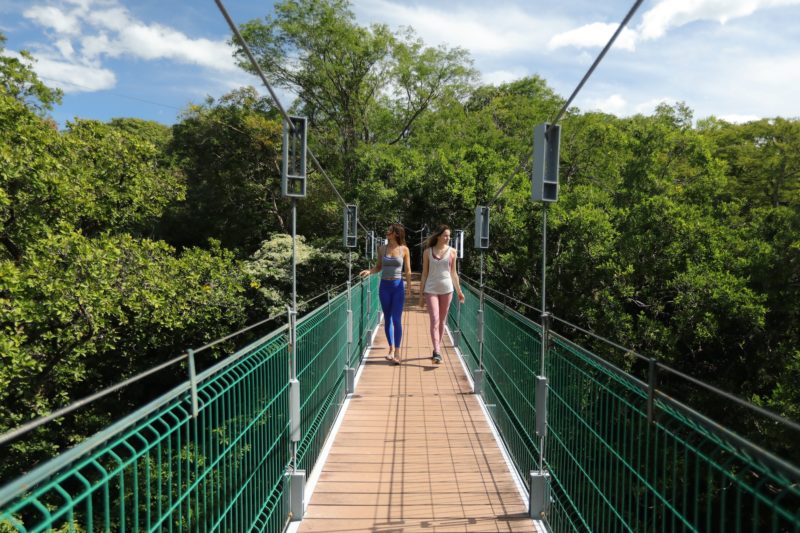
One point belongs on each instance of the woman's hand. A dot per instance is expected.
(461, 297)
(365, 273)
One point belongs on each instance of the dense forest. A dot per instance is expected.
(124, 243)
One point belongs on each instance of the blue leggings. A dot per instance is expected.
(392, 295)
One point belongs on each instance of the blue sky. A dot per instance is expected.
(736, 59)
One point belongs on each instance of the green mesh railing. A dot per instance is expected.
(611, 468)
(224, 470)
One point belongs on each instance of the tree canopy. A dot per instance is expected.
(124, 243)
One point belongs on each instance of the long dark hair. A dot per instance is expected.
(431, 241)
(399, 233)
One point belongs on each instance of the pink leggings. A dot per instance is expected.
(438, 306)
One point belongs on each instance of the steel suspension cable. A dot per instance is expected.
(631, 12)
(235, 29)
(575, 92)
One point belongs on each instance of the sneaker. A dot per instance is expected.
(437, 358)
(433, 355)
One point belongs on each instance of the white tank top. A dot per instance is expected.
(439, 280)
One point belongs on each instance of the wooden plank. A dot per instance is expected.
(414, 452)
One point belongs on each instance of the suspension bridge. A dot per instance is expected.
(309, 429)
(414, 447)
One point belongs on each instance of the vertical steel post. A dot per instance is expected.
(293, 332)
(193, 383)
(545, 330)
(478, 376)
(349, 372)
(652, 369)
(368, 283)
(458, 310)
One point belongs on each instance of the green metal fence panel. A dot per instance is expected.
(612, 469)
(511, 359)
(224, 470)
(465, 321)
(678, 472)
(162, 469)
(322, 348)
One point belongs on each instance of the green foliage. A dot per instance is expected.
(762, 157)
(81, 311)
(356, 84)
(125, 186)
(270, 271)
(93, 176)
(36, 189)
(18, 81)
(229, 152)
(680, 242)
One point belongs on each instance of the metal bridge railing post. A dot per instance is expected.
(193, 383)
(367, 314)
(457, 332)
(652, 372)
(349, 371)
(539, 504)
(297, 477)
(477, 378)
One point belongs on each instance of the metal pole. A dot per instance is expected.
(458, 312)
(652, 368)
(349, 308)
(193, 383)
(544, 281)
(294, 261)
(293, 318)
(480, 320)
(545, 332)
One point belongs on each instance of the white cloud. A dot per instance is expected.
(53, 18)
(614, 104)
(658, 20)
(673, 13)
(648, 106)
(105, 29)
(73, 78)
(498, 77)
(64, 46)
(493, 29)
(738, 119)
(594, 35)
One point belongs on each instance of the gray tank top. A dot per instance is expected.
(392, 267)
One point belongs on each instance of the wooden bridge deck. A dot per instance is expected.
(415, 452)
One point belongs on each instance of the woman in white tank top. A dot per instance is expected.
(439, 279)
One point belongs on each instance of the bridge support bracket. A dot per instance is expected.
(539, 495)
(349, 380)
(477, 381)
(369, 337)
(297, 496)
(456, 338)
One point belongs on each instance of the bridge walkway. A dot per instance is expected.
(415, 452)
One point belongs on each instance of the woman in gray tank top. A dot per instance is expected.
(393, 260)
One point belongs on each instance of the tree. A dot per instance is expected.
(229, 153)
(357, 85)
(127, 187)
(82, 313)
(269, 268)
(18, 80)
(764, 159)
